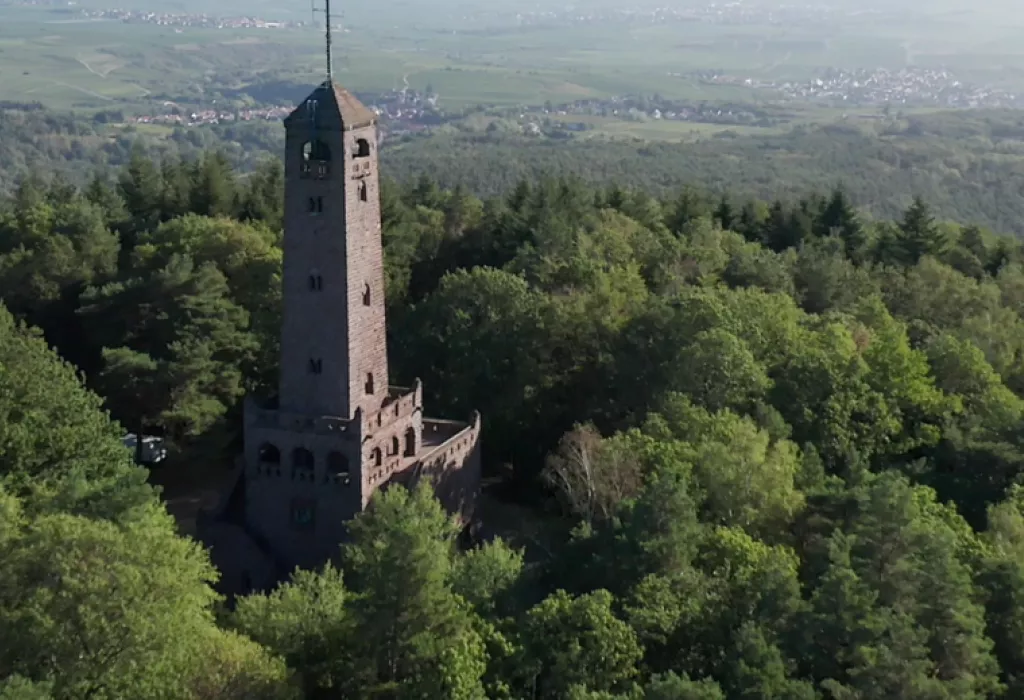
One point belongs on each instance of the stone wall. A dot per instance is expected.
(278, 483)
(367, 336)
(333, 274)
(314, 247)
(454, 468)
(392, 438)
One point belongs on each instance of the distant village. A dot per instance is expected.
(166, 19)
(407, 111)
(909, 87)
(399, 107)
(656, 107)
(715, 13)
(170, 19)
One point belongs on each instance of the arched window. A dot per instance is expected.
(302, 458)
(362, 192)
(366, 294)
(316, 150)
(269, 454)
(362, 149)
(316, 365)
(316, 205)
(369, 382)
(410, 442)
(377, 457)
(395, 445)
(316, 283)
(314, 160)
(337, 464)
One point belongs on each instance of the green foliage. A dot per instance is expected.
(780, 443)
(97, 609)
(181, 341)
(60, 451)
(416, 636)
(69, 627)
(486, 575)
(578, 642)
(673, 687)
(20, 688)
(920, 235)
(304, 621)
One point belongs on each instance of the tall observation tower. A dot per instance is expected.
(337, 431)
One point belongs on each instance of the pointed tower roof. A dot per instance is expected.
(335, 107)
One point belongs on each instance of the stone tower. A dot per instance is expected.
(336, 431)
(333, 347)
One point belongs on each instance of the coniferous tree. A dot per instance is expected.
(774, 231)
(725, 214)
(212, 191)
(416, 636)
(691, 204)
(177, 189)
(261, 197)
(919, 234)
(838, 217)
(141, 187)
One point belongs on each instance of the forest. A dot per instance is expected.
(966, 164)
(771, 450)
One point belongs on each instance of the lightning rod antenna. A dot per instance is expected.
(327, 27)
(330, 56)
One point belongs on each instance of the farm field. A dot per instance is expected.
(64, 61)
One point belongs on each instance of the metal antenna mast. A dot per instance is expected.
(327, 25)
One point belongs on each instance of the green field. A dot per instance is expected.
(66, 63)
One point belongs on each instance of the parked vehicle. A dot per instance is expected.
(153, 450)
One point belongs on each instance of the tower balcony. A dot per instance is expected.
(258, 416)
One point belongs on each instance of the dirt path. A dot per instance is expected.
(87, 92)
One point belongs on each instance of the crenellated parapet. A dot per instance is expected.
(392, 437)
(259, 418)
(452, 463)
(400, 404)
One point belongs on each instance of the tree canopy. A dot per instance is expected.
(752, 449)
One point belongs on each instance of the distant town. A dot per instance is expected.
(165, 19)
(396, 106)
(171, 19)
(907, 87)
(408, 111)
(715, 12)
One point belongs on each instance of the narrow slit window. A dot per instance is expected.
(410, 442)
(362, 192)
(369, 382)
(366, 294)
(316, 283)
(316, 365)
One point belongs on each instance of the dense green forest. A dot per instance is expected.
(968, 165)
(772, 449)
